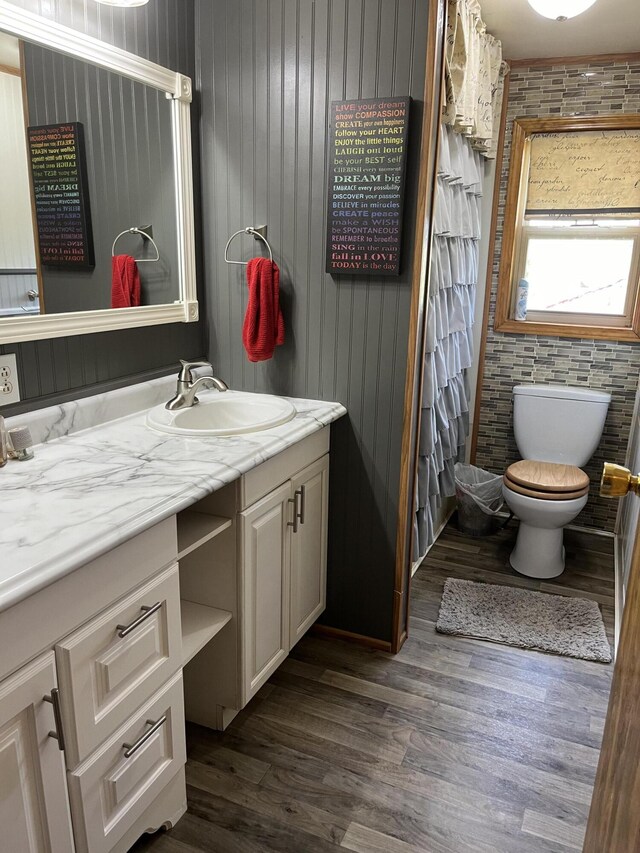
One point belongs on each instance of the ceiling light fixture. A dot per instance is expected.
(560, 10)
(124, 4)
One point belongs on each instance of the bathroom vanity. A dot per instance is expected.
(145, 578)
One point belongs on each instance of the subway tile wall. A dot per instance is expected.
(595, 88)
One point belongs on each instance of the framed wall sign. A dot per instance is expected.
(368, 151)
(59, 174)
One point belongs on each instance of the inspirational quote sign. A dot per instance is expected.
(59, 173)
(368, 150)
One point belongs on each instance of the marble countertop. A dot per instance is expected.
(88, 491)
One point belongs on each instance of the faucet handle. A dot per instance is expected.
(185, 374)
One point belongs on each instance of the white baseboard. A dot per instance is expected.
(443, 524)
(580, 528)
(594, 531)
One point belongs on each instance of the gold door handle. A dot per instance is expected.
(617, 481)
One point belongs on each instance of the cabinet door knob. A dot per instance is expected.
(131, 748)
(54, 699)
(123, 630)
(302, 492)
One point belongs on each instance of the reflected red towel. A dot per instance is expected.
(125, 282)
(263, 327)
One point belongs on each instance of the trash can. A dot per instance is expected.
(479, 496)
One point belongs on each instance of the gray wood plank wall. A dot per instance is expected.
(267, 73)
(63, 368)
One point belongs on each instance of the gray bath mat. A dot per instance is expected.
(519, 617)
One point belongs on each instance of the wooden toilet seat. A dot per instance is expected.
(546, 480)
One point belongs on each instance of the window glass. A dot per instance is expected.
(577, 274)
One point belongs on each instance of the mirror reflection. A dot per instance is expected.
(87, 201)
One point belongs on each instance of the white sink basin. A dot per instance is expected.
(223, 413)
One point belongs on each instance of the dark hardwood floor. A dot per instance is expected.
(452, 746)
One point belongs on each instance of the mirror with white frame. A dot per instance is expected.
(96, 199)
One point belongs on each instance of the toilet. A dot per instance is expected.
(557, 429)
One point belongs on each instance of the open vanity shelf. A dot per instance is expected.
(200, 624)
(202, 584)
(196, 528)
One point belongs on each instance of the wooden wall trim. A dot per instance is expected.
(627, 334)
(513, 209)
(359, 639)
(614, 817)
(574, 60)
(489, 275)
(9, 69)
(419, 295)
(517, 188)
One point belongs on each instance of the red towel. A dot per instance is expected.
(125, 282)
(263, 327)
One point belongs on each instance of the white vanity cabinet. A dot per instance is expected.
(267, 570)
(284, 561)
(187, 619)
(265, 549)
(34, 810)
(115, 662)
(308, 586)
(106, 639)
(116, 786)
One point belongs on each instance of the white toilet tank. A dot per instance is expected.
(558, 423)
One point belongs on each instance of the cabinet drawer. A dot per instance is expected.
(260, 481)
(63, 606)
(110, 791)
(108, 668)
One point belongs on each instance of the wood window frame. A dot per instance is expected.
(523, 129)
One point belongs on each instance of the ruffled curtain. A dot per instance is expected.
(449, 341)
(474, 77)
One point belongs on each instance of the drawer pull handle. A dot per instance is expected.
(296, 516)
(123, 630)
(54, 699)
(132, 748)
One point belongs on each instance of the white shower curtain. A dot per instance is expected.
(474, 76)
(449, 342)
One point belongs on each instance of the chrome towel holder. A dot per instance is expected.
(257, 234)
(135, 230)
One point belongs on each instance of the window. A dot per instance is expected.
(571, 240)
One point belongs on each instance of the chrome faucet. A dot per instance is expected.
(187, 388)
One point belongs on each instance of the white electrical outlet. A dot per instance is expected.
(9, 389)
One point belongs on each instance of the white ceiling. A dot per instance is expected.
(609, 26)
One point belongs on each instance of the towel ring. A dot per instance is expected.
(255, 233)
(136, 230)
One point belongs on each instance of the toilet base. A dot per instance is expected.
(539, 552)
